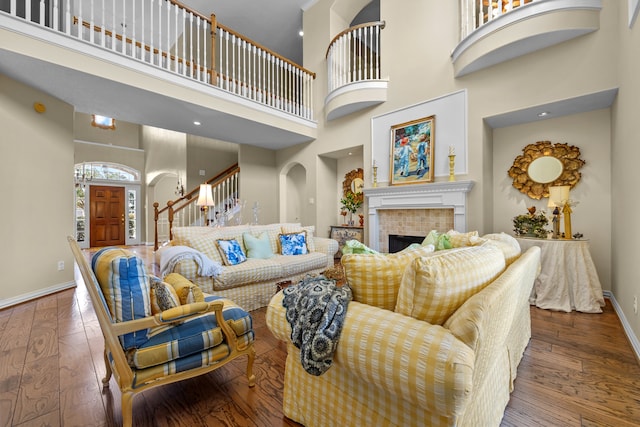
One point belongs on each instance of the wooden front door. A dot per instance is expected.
(106, 213)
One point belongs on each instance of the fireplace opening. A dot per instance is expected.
(399, 242)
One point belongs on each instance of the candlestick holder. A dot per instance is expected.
(375, 176)
(452, 167)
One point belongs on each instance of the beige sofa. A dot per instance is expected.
(392, 367)
(251, 283)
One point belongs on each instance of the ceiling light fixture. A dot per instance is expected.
(301, 33)
(196, 123)
(543, 114)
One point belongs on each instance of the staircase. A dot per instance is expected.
(184, 212)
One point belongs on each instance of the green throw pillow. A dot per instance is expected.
(439, 241)
(356, 247)
(257, 247)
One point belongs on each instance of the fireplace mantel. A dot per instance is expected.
(420, 196)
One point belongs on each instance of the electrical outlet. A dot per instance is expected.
(635, 304)
(60, 265)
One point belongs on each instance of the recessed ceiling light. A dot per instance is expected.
(350, 153)
(301, 33)
(196, 123)
(543, 114)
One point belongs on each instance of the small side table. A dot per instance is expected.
(568, 279)
(342, 233)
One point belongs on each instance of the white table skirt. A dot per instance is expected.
(568, 279)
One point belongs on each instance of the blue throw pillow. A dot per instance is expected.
(231, 252)
(293, 243)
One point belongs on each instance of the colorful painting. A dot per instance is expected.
(412, 151)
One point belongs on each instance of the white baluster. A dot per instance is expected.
(176, 62)
(198, 64)
(167, 47)
(244, 68)
(134, 48)
(233, 62)
(124, 27)
(191, 55)
(67, 18)
(92, 24)
(80, 23)
(152, 55)
(27, 9)
(226, 60)
(56, 16)
(184, 43)
(12, 7)
(42, 12)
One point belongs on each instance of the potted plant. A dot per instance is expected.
(531, 224)
(351, 202)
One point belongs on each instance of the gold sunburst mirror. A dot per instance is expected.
(545, 164)
(354, 183)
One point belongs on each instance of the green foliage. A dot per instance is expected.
(351, 202)
(531, 225)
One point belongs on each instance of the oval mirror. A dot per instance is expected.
(545, 169)
(546, 164)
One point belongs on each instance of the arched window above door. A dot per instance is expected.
(101, 171)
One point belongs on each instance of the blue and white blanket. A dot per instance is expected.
(316, 309)
(171, 255)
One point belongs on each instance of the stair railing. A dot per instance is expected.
(184, 211)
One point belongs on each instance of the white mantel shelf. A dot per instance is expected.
(436, 195)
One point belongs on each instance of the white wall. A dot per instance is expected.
(591, 133)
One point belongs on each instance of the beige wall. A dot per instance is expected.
(258, 183)
(37, 170)
(625, 173)
(124, 135)
(591, 132)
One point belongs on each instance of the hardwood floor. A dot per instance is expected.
(578, 370)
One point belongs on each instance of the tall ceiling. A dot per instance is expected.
(272, 23)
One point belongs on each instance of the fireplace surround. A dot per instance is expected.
(438, 197)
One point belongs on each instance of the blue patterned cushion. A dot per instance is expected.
(193, 336)
(231, 252)
(293, 243)
(125, 286)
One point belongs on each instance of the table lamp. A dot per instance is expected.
(205, 199)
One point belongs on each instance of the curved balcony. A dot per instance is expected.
(494, 31)
(353, 69)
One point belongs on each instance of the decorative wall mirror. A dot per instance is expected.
(354, 183)
(545, 164)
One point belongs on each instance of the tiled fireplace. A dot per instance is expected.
(415, 210)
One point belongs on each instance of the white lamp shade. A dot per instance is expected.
(558, 195)
(205, 197)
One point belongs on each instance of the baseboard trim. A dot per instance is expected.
(631, 336)
(36, 294)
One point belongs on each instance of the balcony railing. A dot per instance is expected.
(354, 55)
(476, 13)
(168, 35)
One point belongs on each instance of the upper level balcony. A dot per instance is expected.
(158, 63)
(494, 31)
(353, 70)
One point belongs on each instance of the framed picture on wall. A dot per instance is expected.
(412, 151)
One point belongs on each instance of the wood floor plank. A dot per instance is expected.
(39, 390)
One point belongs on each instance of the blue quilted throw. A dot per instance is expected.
(316, 309)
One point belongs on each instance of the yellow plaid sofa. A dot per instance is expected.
(440, 349)
(252, 283)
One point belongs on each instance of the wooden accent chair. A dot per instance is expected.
(149, 350)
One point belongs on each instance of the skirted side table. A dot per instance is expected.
(568, 279)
